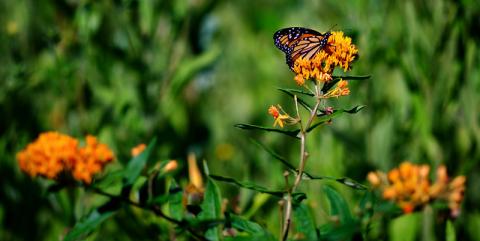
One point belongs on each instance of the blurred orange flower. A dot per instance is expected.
(138, 149)
(409, 186)
(53, 153)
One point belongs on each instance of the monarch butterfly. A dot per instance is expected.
(298, 42)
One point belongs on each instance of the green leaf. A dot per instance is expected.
(405, 227)
(351, 183)
(293, 133)
(297, 197)
(275, 155)
(248, 230)
(335, 231)
(175, 200)
(327, 86)
(323, 118)
(296, 91)
(89, 224)
(338, 205)
(361, 77)
(136, 165)
(211, 208)
(110, 179)
(450, 231)
(304, 222)
(306, 176)
(299, 100)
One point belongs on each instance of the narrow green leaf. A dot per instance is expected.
(323, 118)
(297, 91)
(450, 231)
(211, 208)
(334, 231)
(299, 100)
(361, 77)
(245, 225)
(343, 180)
(247, 185)
(327, 86)
(351, 183)
(304, 222)
(175, 200)
(136, 165)
(89, 224)
(297, 197)
(306, 176)
(355, 109)
(293, 133)
(110, 179)
(249, 231)
(338, 205)
(254, 237)
(275, 155)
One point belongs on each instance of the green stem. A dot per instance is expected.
(303, 160)
(155, 209)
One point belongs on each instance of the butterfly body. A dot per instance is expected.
(298, 42)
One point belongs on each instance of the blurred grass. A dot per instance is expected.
(187, 71)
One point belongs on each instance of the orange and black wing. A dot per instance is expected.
(299, 42)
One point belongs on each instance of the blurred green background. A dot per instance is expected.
(186, 71)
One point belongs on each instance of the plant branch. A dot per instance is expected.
(303, 160)
(154, 208)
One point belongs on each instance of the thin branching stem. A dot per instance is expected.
(303, 160)
(155, 209)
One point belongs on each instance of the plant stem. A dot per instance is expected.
(155, 209)
(301, 168)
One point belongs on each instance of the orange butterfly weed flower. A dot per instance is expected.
(279, 118)
(409, 186)
(339, 51)
(138, 149)
(341, 89)
(53, 153)
(49, 155)
(94, 156)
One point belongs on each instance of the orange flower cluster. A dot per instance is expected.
(339, 51)
(53, 153)
(409, 186)
(340, 90)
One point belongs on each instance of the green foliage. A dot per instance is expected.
(305, 223)
(297, 197)
(211, 209)
(88, 225)
(137, 164)
(450, 232)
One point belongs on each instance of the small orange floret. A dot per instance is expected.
(172, 165)
(273, 111)
(138, 149)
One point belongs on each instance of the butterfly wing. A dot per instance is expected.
(299, 42)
